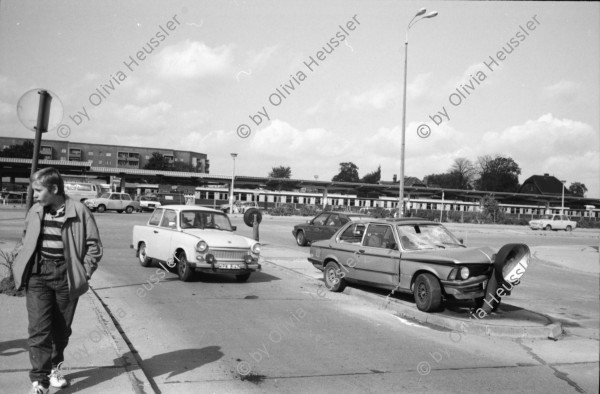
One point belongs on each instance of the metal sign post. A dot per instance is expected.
(42, 127)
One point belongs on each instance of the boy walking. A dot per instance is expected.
(59, 252)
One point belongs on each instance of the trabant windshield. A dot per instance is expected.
(426, 236)
(547, 217)
(105, 195)
(205, 220)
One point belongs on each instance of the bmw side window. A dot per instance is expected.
(353, 234)
(379, 236)
(155, 218)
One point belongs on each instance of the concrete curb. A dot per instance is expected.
(551, 330)
(139, 382)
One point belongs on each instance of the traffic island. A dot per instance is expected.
(508, 321)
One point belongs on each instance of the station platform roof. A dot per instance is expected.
(20, 168)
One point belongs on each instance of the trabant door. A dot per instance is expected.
(378, 257)
(164, 234)
(114, 201)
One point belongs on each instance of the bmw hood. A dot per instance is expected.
(221, 239)
(481, 255)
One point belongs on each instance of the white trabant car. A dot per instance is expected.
(195, 239)
(553, 222)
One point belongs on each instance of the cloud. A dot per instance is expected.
(261, 58)
(563, 147)
(420, 87)
(193, 59)
(143, 115)
(376, 98)
(563, 91)
(146, 94)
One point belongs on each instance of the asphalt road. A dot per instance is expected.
(279, 333)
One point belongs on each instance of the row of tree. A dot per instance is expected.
(498, 173)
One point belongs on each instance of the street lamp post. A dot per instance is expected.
(231, 196)
(411, 24)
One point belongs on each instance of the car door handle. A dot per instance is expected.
(361, 251)
(155, 232)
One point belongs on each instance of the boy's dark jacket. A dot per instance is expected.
(82, 246)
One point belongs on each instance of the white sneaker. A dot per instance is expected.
(38, 389)
(57, 379)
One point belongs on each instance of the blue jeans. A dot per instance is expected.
(50, 313)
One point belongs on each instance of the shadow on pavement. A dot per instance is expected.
(10, 348)
(173, 363)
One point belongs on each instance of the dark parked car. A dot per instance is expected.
(170, 198)
(323, 226)
(417, 256)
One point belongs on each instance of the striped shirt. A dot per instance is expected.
(52, 244)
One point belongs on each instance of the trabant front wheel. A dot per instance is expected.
(427, 292)
(144, 259)
(184, 270)
(334, 279)
(129, 209)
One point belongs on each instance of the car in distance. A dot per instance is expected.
(195, 239)
(147, 203)
(112, 201)
(165, 198)
(417, 256)
(81, 191)
(323, 226)
(553, 222)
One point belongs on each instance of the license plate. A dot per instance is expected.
(229, 266)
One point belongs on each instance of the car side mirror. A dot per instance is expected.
(233, 228)
(461, 241)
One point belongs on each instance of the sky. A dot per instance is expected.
(311, 84)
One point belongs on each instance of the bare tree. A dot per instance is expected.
(465, 171)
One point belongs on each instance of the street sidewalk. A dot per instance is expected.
(97, 360)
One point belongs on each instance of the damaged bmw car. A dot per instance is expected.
(414, 255)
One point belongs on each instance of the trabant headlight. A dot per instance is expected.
(464, 272)
(202, 246)
(256, 248)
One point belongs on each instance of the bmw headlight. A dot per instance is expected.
(464, 272)
(256, 248)
(202, 246)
